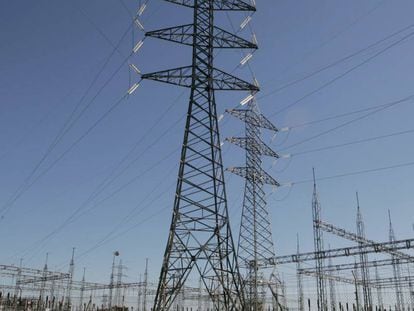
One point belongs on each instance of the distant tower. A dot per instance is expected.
(145, 289)
(44, 276)
(82, 290)
(301, 302)
(332, 287)
(70, 281)
(200, 242)
(379, 290)
(255, 236)
(396, 271)
(111, 282)
(363, 258)
(322, 302)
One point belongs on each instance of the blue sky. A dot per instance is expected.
(50, 53)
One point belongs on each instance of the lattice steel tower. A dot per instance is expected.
(363, 258)
(255, 236)
(319, 249)
(396, 271)
(200, 240)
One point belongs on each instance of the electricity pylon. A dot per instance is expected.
(366, 288)
(299, 278)
(319, 250)
(255, 236)
(396, 270)
(200, 239)
(68, 299)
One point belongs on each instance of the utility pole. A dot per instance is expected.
(70, 281)
(43, 283)
(144, 302)
(82, 290)
(354, 273)
(332, 290)
(396, 270)
(200, 241)
(111, 282)
(139, 302)
(379, 291)
(17, 291)
(118, 291)
(318, 245)
(299, 278)
(255, 235)
(363, 257)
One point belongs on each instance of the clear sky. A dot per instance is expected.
(51, 52)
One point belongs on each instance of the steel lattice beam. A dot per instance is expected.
(183, 76)
(357, 265)
(219, 5)
(222, 39)
(259, 120)
(342, 252)
(327, 227)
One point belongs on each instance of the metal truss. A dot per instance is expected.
(357, 265)
(327, 227)
(390, 282)
(256, 119)
(256, 174)
(363, 260)
(322, 300)
(184, 76)
(396, 270)
(255, 236)
(219, 5)
(200, 242)
(184, 35)
(341, 252)
(252, 145)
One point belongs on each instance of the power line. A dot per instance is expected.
(350, 122)
(332, 81)
(110, 178)
(337, 116)
(366, 171)
(353, 142)
(336, 62)
(69, 123)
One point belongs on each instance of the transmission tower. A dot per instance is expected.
(396, 270)
(44, 278)
(255, 235)
(363, 257)
(332, 290)
(299, 277)
(70, 281)
(200, 240)
(318, 245)
(379, 290)
(82, 291)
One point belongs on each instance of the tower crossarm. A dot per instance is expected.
(342, 252)
(327, 227)
(254, 174)
(259, 120)
(184, 35)
(357, 265)
(249, 143)
(220, 5)
(338, 278)
(183, 76)
(54, 277)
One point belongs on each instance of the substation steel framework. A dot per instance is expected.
(322, 300)
(255, 235)
(200, 239)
